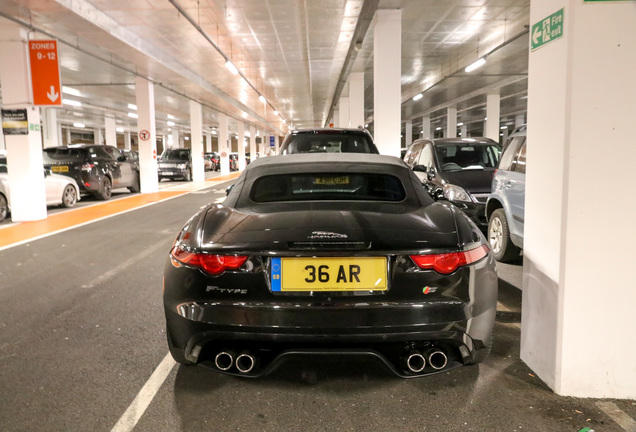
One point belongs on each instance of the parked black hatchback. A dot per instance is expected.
(329, 140)
(175, 163)
(457, 169)
(97, 169)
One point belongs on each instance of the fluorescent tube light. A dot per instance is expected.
(71, 102)
(71, 91)
(79, 125)
(132, 107)
(133, 115)
(231, 67)
(261, 98)
(418, 97)
(479, 63)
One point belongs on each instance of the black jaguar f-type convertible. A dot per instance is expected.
(330, 254)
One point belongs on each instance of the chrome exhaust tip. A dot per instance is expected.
(415, 362)
(437, 359)
(245, 362)
(224, 360)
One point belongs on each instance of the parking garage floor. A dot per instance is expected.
(82, 346)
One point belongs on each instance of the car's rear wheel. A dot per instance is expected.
(4, 208)
(136, 186)
(105, 190)
(69, 196)
(499, 237)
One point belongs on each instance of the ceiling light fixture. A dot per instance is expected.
(418, 97)
(170, 116)
(262, 98)
(170, 123)
(71, 91)
(479, 63)
(231, 67)
(71, 102)
(275, 112)
(132, 107)
(133, 115)
(120, 130)
(79, 125)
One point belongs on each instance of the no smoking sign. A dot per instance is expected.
(144, 135)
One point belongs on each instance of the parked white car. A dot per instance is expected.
(60, 190)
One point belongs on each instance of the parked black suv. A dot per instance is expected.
(457, 169)
(329, 140)
(176, 163)
(97, 169)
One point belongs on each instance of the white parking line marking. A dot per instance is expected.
(623, 420)
(138, 406)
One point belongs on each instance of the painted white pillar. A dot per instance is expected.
(252, 144)
(127, 144)
(50, 132)
(196, 141)
(520, 119)
(110, 132)
(208, 142)
(98, 136)
(426, 127)
(336, 118)
(276, 144)
(24, 152)
(68, 136)
(464, 130)
(503, 135)
(492, 115)
(356, 99)
(224, 150)
(2, 145)
(451, 122)
(344, 112)
(175, 138)
(145, 98)
(387, 94)
(578, 283)
(408, 134)
(241, 145)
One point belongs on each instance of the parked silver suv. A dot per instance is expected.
(506, 203)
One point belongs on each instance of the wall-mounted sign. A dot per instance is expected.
(144, 135)
(45, 72)
(15, 122)
(271, 141)
(547, 30)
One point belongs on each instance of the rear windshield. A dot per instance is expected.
(330, 143)
(175, 155)
(464, 157)
(52, 155)
(327, 187)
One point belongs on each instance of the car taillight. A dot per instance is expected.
(209, 263)
(449, 262)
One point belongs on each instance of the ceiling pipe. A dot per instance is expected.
(367, 12)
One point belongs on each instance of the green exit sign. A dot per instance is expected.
(547, 30)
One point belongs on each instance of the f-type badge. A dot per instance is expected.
(326, 235)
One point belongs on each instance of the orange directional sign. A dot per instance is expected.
(45, 72)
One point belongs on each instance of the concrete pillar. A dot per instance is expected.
(336, 118)
(503, 135)
(492, 115)
(520, 119)
(578, 284)
(241, 145)
(344, 112)
(127, 144)
(24, 151)
(426, 128)
(276, 144)
(50, 132)
(408, 134)
(98, 136)
(110, 132)
(451, 122)
(224, 149)
(2, 145)
(464, 130)
(68, 136)
(387, 60)
(196, 138)
(356, 99)
(252, 144)
(208, 142)
(147, 135)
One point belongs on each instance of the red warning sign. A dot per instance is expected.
(45, 73)
(144, 135)
(223, 155)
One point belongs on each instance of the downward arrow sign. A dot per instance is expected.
(535, 35)
(53, 95)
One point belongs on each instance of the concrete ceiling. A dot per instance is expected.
(292, 52)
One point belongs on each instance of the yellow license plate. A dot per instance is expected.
(59, 169)
(329, 274)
